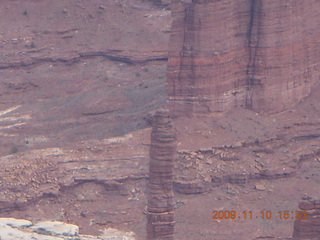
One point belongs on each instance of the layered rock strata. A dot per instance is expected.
(160, 211)
(157, 2)
(262, 55)
(308, 226)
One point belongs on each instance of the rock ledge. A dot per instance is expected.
(20, 229)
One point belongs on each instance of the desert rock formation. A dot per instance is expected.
(15, 229)
(160, 215)
(262, 55)
(308, 227)
(78, 83)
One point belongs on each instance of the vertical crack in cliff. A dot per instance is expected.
(187, 53)
(160, 210)
(253, 44)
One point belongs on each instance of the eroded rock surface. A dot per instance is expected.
(160, 211)
(262, 55)
(308, 226)
(20, 229)
(84, 72)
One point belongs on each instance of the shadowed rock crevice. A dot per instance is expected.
(253, 44)
(160, 211)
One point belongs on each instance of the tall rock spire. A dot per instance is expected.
(160, 211)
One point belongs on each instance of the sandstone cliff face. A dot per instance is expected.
(262, 55)
(308, 228)
(160, 215)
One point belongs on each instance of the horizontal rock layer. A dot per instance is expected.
(200, 186)
(308, 226)
(262, 55)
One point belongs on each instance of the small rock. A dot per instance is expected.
(306, 197)
(207, 179)
(260, 187)
(15, 40)
(205, 150)
(193, 154)
(179, 203)
(231, 190)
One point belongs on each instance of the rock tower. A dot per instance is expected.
(308, 228)
(160, 210)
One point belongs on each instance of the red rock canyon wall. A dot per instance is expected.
(262, 55)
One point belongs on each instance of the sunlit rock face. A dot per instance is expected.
(261, 55)
(21, 229)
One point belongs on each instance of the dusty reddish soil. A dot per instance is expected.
(80, 70)
(79, 81)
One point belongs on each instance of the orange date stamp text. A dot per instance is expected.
(264, 214)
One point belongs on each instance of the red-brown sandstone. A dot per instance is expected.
(307, 227)
(160, 211)
(262, 55)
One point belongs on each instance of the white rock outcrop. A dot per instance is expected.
(20, 229)
(56, 228)
(16, 223)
